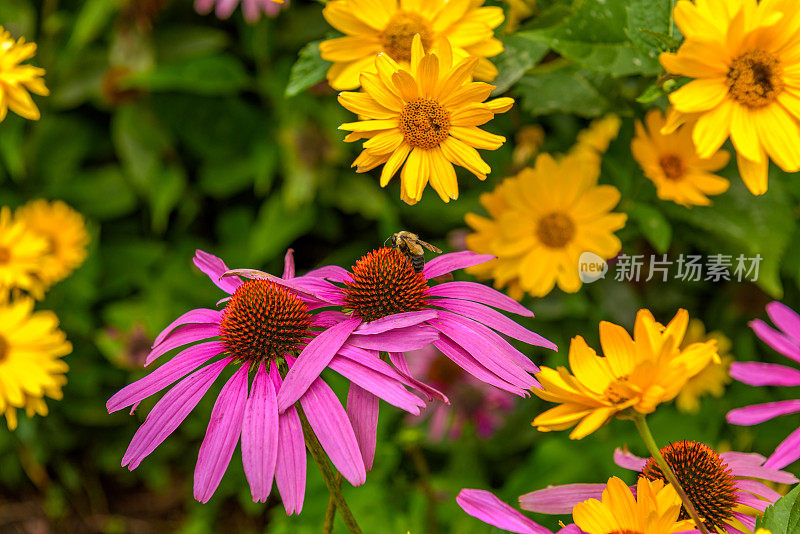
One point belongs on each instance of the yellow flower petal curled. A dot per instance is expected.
(634, 373)
(388, 27)
(422, 119)
(744, 61)
(672, 164)
(65, 232)
(654, 510)
(31, 364)
(17, 80)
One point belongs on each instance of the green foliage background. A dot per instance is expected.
(172, 131)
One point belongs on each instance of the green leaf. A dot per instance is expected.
(206, 75)
(651, 94)
(309, 69)
(178, 42)
(653, 224)
(649, 27)
(93, 19)
(595, 37)
(166, 189)
(140, 141)
(783, 516)
(519, 56)
(564, 90)
(276, 227)
(101, 193)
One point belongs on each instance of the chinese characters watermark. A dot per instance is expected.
(687, 268)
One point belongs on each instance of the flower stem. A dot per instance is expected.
(332, 479)
(647, 436)
(330, 515)
(671, 17)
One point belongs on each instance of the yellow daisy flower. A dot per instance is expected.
(542, 220)
(599, 134)
(22, 254)
(745, 61)
(424, 119)
(31, 347)
(527, 143)
(654, 510)
(65, 232)
(16, 80)
(633, 374)
(372, 27)
(672, 164)
(714, 377)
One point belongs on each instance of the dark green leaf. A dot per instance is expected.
(519, 56)
(654, 226)
(205, 75)
(778, 517)
(649, 27)
(308, 70)
(651, 94)
(564, 90)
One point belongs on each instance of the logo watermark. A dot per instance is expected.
(687, 268)
(591, 267)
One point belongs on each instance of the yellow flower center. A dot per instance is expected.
(754, 79)
(5, 255)
(555, 230)
(424, 123)
(672, 166)
(397, 35)
(618, 392)
(4, 349)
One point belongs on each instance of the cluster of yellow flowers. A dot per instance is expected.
(40, 245)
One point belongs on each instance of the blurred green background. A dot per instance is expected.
(172, 131)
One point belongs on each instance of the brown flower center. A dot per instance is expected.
(397, 36)
(384, 283)
(707, 480)
(555, 230)
(755, 79)
(4, 349)
(424, 123)
(5, 255)
(672, 166)
(263, 321)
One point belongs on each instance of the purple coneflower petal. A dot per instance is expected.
(747, 520)
(204, 6)
(290, 466)
(447, 263)
(467, 333)
(628, 460)
(560, 499)
(314, 358)
(334, 273)
(334, 431)
(485, 506)
(260, 435)
(494, 319)
(786, 319)
(214, 267)
(479, 293)
(225, 8)
(745, 499)
(786, 453)
(328, 318)
(765, 374)
(735, 458)
(222, 435)
(758, 413)
(362, 410)
(763, 472)
(183, 336)
(776, 340)
(170, 411)
(198, 316)
(182, 364)
(400, 340)
(501, 347)
(377, 383)
(288, 262)
(757, 488)
(398, 359)
(395, 321)
(463, 359)
(574, 529)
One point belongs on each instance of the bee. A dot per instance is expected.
(411, 246)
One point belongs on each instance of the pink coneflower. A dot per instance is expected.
(252, 9)
(724, 488)
(392, 305)
(484, 505)
(785, 340)
(261, 330)
(473, 401)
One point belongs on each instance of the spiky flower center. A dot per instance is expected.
(555, 230)
(707, 480)
(4, 348)
(424, 123)
(672, 166)
(263, 321)
(384, 283)
(399, 33)
(5, 255)
(755, 79)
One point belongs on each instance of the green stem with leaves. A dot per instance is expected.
(332, 480)
(647, 436)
